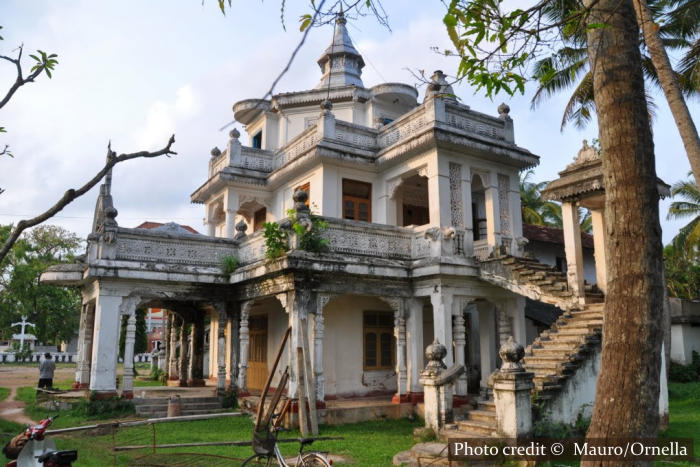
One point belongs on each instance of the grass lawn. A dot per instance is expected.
(684, 413)
(4, 392)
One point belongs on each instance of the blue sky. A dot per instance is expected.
(134, 72)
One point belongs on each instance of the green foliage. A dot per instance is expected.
(275, 240)
(545, 428)
(44, 62)
(105, 408)
(54, 310)
(21, 354)
(682, 270)
(688, 206)
(685, 373)
(537, 211)
(311, 240)
(229, 399)
(229, 264)
(156, 374)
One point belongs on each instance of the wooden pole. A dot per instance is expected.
(266, 388)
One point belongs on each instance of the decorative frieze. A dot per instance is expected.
(456, 207)
(171, 250)
(504, 206)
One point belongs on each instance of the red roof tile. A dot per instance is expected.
(153, 225)
(540, 233)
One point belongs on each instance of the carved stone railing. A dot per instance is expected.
(481, 249)
(364, 239)
(218, 163)
(138, 245)
(459, 243)
(296, 147)
(256, 159)
(474, 122)
(357, 135)
(402, 127)
(252, 248)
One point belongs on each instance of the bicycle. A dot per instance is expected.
(267, 452)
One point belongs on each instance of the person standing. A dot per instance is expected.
(46, 369)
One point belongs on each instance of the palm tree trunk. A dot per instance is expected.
(669, 84)
(628, 385)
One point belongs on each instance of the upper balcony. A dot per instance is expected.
(438, 121)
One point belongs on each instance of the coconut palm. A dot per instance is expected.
(537, 211)
(569, 67)
(688, 237)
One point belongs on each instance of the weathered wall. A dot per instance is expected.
(685, 338)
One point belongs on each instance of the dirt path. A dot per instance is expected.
(13, 377)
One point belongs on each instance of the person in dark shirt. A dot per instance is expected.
(46, 369)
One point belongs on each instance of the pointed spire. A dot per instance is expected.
(341, 63)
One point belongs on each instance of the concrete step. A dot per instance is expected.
(562, 354)
(488, 416)
(487, 405)
(573, 330)
(482, 428)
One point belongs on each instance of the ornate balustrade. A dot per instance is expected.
(357, 135)
(481, 249)
(252, 248)
(296, 147)
(364, 239)
(139, 245)
(403, 127)
(474, 122)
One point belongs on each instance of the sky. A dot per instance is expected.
(134, 72)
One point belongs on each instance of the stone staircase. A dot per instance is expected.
(558, 352)
(553, 357)
(158, 407)
(535, 280)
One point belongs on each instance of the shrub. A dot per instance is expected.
(275, 240)
(106, 408)
(229, 264)
(682, 373)
(156, 374)
(229, 399)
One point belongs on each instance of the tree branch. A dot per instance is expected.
(70, 195)
(20, 81)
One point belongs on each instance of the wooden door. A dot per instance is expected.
(257, 352)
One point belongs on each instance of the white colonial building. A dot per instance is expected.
(425, 242)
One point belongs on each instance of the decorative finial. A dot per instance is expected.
(340, 19)
(587, 153)
(435, 352)
(240, 227)
(326, 105)
(300, 198)
(215, 152)
(511, 353)
(503, 109)
(234, 134)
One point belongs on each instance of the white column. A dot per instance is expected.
(439, 192)
(85, 336)
(213, 344)
(516, 221)
(233, 351)
(317, 357)
(243, 350)
(442, 321)
(221, 349)
(230, 207)
(172, 364)
(572, 247)
(505, 328)
(460, 344)
(601, 272)
(493, 210)
(400, 335)
(103, 371)
(128, 377)
(414, 334)
(487, 341)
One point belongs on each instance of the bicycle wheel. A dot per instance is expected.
(260, 459)
(315, 459)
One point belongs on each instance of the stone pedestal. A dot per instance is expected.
(437, 387)
(512, 386)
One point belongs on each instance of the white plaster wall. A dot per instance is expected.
(684, 340)
(343, 349)
(547, 253)
(578, 394)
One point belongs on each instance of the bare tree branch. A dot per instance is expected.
(72, 194)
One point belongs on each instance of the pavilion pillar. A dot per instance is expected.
(243, 334)
(182, 360)
(493, 211)
(460, 340)
(442, 320)
(195, 376)
(572, 247)
(322, 300)
(233, 350)
(85, 334)
(601, 272)
(213, 344)
(439, 189)
(105, 348)
(505, 327)
(400, 335)
(165, 362)
(129, 339)
(230, 209)
(221, 348)
(487, 341)
(414, 337)
(172, 362)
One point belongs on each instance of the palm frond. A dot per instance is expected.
(581, 106)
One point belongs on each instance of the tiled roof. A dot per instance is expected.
(540, 233)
